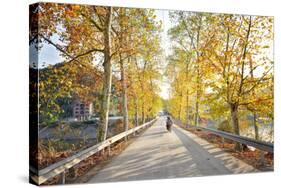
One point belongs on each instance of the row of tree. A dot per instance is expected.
(98, 45)
(220, 68)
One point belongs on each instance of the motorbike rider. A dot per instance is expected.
(169, 123)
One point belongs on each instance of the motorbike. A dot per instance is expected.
(169, 127)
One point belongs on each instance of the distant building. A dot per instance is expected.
(82, 110)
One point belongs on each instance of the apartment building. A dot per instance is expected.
(82, 110)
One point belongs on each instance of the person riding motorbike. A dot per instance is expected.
(169, 124)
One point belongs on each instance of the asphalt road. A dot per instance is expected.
(158, 154)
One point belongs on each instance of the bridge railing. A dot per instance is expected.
(60, 168)
(261, 145)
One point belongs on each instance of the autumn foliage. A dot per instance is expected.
(221, 69)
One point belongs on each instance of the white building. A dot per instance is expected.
(82, 110)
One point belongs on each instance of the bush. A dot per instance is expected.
(51, 151)
(119, 127)
(59, 146)
(225, 126)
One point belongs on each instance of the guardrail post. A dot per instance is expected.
(109, 150)
(134, 133)
(262, 159)
(102, 152)
(62, 178)
(72, 172)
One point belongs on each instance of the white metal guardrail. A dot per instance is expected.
(62, 166)
(263, 146)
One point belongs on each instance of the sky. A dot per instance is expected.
(163, 15)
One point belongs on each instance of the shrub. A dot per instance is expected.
(225, 126)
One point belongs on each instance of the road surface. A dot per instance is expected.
(158, 154)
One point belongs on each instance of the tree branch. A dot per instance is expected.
(244, 56)
(258, 100)
(73, 58)
(100, 19)
(55, 45)
(100, 28)
(258, 82)
(86, 53)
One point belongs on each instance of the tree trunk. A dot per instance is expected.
(197, 76)
(187, 92)
(124, 96)
(197, 96)
(136, 112)
(187, 109)
(235, 123)
(196, 119)
(123, 77)
(256, 126)
(142, 113)
(107, 79)
(254, 113)
(272, 129)
(180, 109)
